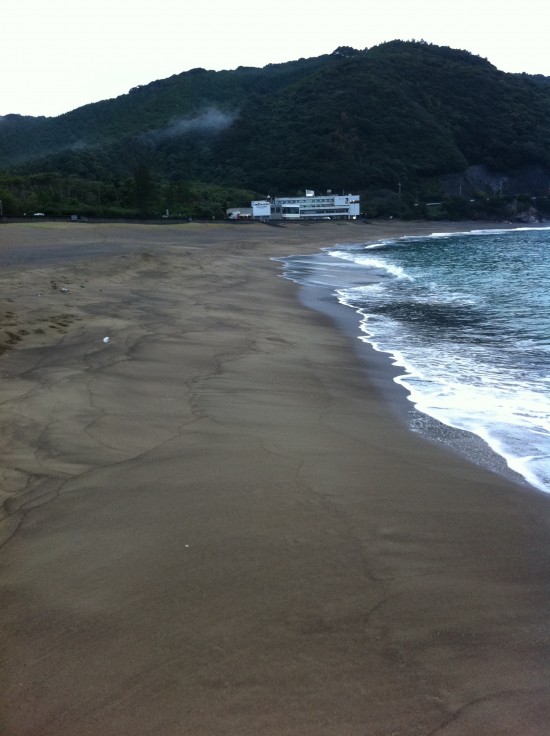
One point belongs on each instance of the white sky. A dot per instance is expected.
(56, 55)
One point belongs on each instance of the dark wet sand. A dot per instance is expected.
(213, 524)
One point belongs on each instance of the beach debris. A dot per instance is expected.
(106, 339)
(55, 287)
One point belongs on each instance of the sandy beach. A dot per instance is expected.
(213, 522)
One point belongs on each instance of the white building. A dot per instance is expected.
(310, 207)
(261, 209)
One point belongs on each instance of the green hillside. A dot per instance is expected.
(402, 123)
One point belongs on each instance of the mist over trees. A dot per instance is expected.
(418, 130)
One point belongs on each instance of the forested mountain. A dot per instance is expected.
(402, 123)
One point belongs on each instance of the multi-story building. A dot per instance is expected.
(310, 207)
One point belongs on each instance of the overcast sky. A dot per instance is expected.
(56, 55)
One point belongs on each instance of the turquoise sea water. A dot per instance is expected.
(467, 318)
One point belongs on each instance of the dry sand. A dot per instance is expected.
(212, 522)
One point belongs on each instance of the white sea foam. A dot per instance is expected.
(371, 262)
(512, 419)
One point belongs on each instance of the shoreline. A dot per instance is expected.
(322, 297)
(215, 522)
(382, 373)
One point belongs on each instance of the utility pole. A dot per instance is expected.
(1, 210)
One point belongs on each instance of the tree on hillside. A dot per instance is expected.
(144, 190)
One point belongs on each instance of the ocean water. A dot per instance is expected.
(466, 318)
